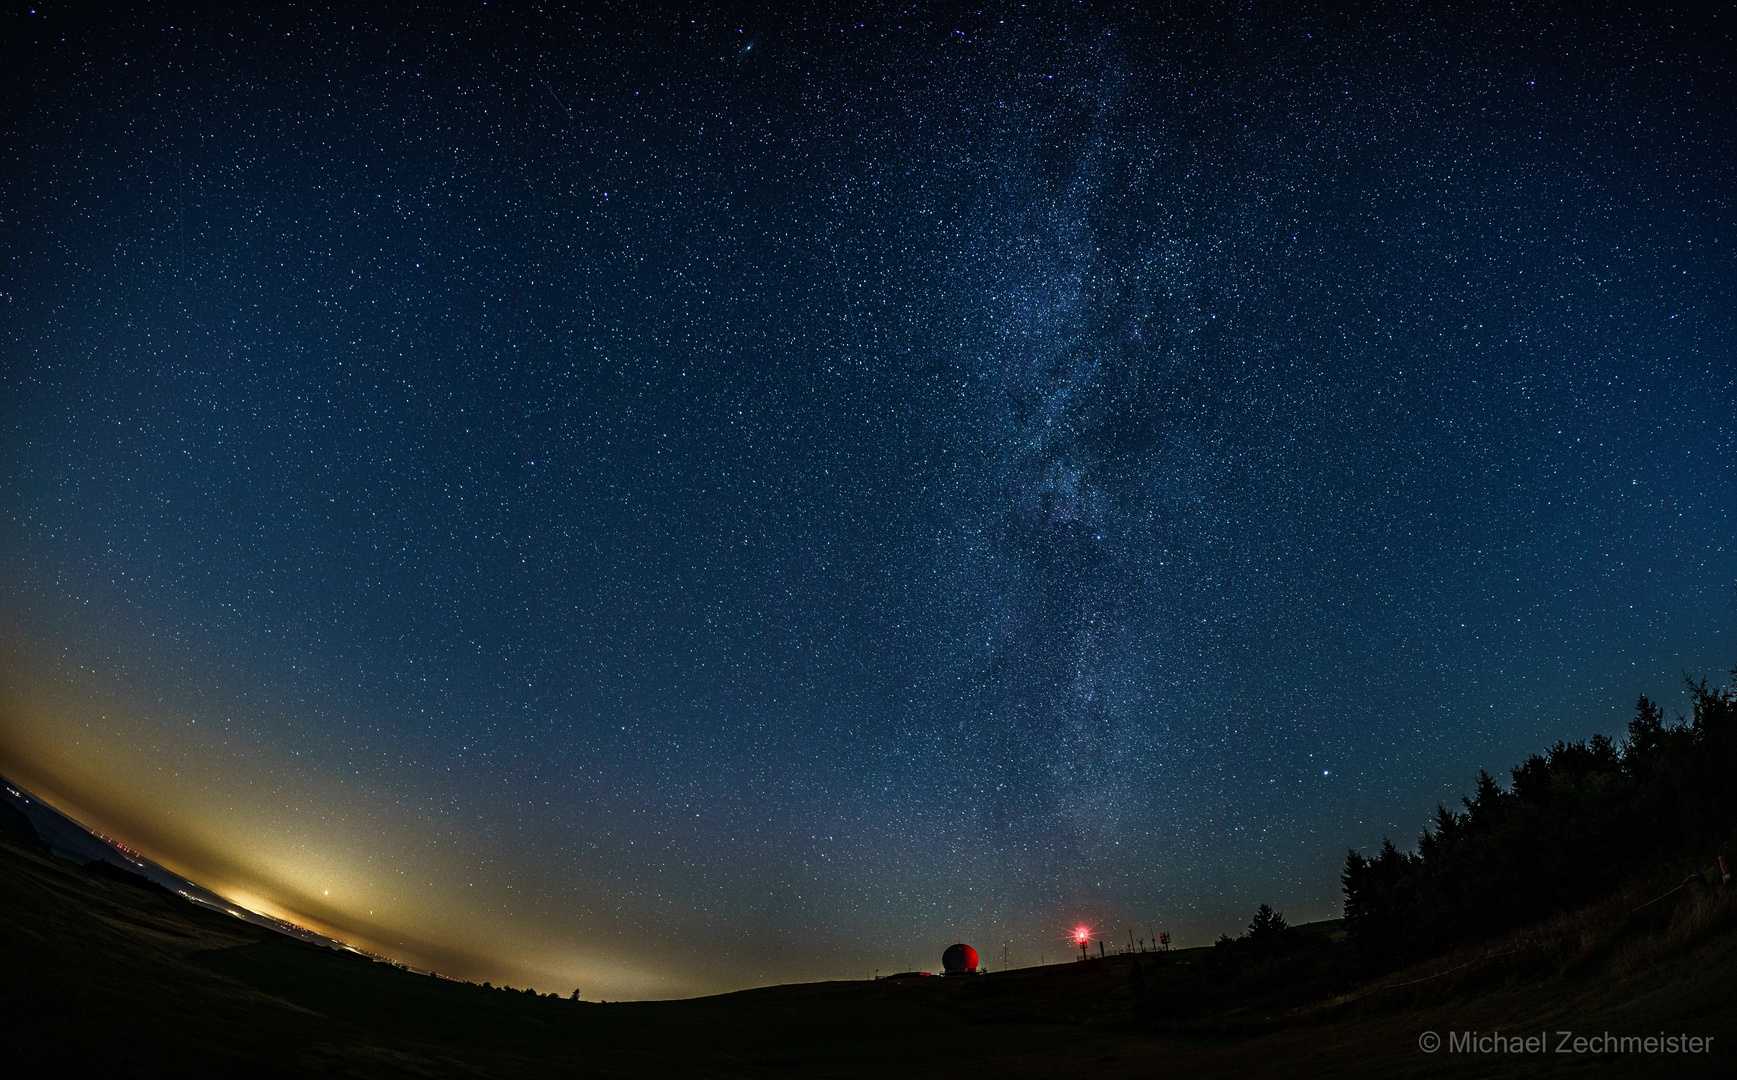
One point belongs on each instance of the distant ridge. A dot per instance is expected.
(109, 870)
(24, 815)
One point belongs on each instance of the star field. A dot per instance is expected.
(624, 498)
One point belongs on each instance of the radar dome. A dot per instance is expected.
(960, 960)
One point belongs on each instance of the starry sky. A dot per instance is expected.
(622, 498)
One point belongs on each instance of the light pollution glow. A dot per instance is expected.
(270, 835)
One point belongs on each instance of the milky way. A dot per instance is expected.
(664, 504)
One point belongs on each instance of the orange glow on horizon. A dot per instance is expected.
(264, 832)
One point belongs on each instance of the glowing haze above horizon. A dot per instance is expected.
(659, 505)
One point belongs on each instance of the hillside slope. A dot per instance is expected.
(108, 974)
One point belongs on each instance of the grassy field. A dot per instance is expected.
(103, 975)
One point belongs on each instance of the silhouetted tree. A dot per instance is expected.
(1268, 934)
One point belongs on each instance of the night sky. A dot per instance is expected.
(659, 504)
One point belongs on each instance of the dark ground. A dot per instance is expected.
(107, 975)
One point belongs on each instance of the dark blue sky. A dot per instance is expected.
(622, 497)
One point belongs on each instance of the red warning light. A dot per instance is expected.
(1082, 938)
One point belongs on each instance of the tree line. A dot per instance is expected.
(1577, 822)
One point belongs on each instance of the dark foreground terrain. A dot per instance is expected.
(103, 974)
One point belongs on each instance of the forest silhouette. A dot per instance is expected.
(1578, 822)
